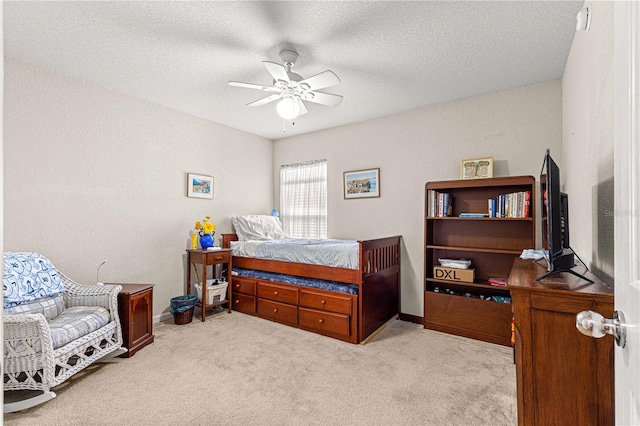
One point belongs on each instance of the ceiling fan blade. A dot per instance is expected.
(303, 109)
(320, 81)
(266, 100)
(279, 72)
(253, 86)
(327, 99)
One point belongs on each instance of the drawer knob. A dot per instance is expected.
(236, 301)
(275, 310)
(321, 320)
(275, 293)
(218, 258)
(324, 302)
(237, 285)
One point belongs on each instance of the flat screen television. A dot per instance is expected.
(555, 222)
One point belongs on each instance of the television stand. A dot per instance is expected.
(564, 263)
(554, 361)
(557, 271)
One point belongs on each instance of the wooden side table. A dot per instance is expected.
(135, 307)
(206, 258)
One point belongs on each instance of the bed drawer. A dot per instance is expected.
(278, 292)
(286, 314)
(326, 302)
(323, 322)
(244, 303)
(244, 285)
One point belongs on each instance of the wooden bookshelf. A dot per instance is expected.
(492, 243)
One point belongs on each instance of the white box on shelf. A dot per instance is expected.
(215, 293)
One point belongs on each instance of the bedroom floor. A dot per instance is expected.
(237, 369)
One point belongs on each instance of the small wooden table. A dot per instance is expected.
(135, 308)
(206, 258)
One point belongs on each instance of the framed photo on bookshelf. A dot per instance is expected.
(199, 186)
(476, 168)
(362, 184)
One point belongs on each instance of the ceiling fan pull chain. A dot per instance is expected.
(284, 126)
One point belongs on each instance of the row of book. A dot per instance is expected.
(513, 205)
(439, 204)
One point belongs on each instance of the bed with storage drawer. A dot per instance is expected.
(345, 303)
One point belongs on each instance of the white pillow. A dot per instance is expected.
(257, 227)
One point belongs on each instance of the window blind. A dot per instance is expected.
(303, 199)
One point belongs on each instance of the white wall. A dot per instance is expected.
(413, 148)
(90, 174)
(587, 141)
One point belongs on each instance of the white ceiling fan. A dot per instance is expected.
(292, 89)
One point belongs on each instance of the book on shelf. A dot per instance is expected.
(501, 282)
(440, 204)
(512, 205)
(473, 215)
(492, 207)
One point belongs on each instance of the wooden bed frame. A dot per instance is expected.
(378, 279)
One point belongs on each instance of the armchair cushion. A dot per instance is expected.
(76, 322)
(28, 276)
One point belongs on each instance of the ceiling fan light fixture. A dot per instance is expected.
(288, 108)
(291, 90)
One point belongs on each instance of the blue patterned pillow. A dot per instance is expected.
(27, 277)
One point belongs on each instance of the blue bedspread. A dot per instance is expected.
(292, 279)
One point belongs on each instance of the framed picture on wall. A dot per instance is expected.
(476, 168)
(362, 184)
(199, 186)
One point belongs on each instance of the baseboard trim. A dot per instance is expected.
(404, 317)
(382, 327)
(412, 318)
(162, 317)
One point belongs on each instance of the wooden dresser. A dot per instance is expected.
(563, 376)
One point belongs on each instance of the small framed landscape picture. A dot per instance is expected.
(362, 184)
(199, 186)
(476, 168)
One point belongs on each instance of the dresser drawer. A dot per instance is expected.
(244, 285)
(276, 311)
(328, 323)
(278, 292)
(326, 302)
(244, 303)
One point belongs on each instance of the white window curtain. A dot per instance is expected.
(303, 199)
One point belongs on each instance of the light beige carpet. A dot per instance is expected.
(236, 369)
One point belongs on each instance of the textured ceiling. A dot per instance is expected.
(390, 56)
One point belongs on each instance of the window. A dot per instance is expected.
(303, 199)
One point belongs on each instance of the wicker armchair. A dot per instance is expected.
(36, 359)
